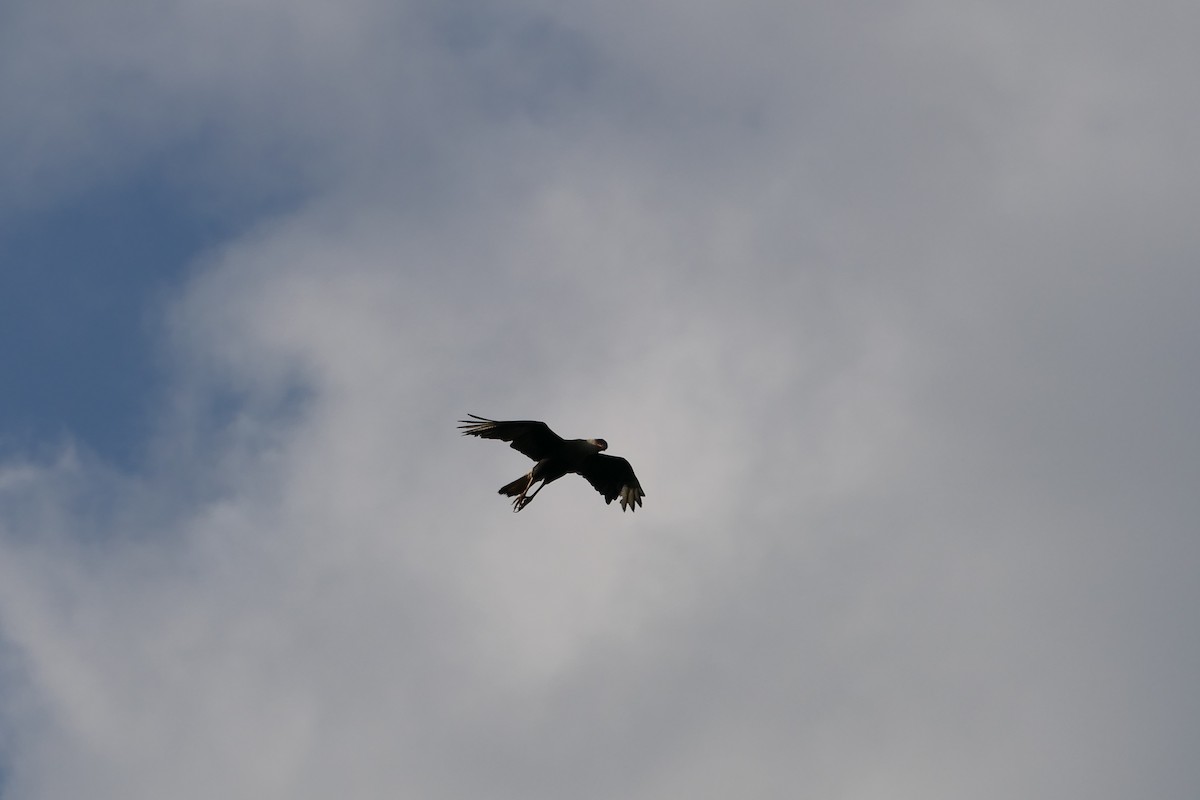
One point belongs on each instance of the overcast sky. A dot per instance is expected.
(892, 307)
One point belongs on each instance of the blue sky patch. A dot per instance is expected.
(80, 290)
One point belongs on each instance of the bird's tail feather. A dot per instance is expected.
(516, 487)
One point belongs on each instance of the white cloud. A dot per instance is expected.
(894, 328)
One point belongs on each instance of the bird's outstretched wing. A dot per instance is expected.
(612, 477)
(534, 439)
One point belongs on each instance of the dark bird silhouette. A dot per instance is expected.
(611, 476)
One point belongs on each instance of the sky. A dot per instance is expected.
(891, 306)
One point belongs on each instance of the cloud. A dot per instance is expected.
(894, 328)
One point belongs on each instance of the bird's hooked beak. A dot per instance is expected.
(603, 445)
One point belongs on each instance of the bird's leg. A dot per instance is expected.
(519, 501)
(523, 500)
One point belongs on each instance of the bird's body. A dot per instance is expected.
(610, 475)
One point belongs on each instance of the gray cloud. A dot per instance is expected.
(889, 307)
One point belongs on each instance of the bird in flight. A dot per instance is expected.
(611, 476)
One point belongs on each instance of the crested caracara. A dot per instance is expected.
(611, 476)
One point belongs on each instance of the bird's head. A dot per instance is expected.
(600, 444)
